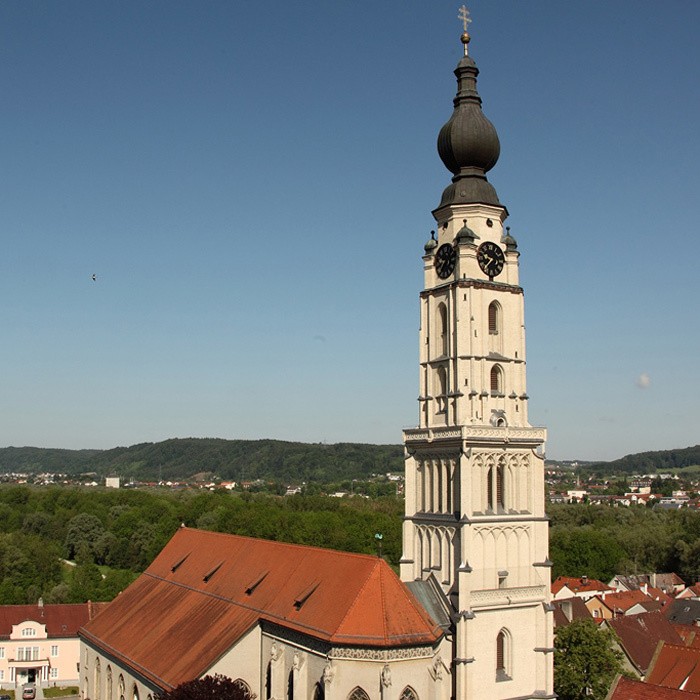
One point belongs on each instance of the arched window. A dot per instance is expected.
(442, 321)
(241, 685)
(109, 683)
(290, 685)
(121, 687)
(496, 380)
(97, 690)
(408, 694)
(134, 692)
(500, 490)
(489, 489)
(442, 390)
(268, 681)
(503, 656)
(494, 318)
(358, 694)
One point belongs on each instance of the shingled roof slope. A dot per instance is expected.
(205, 590)
(640, 635)
(629, 689)
(676, 666)
(60, 620)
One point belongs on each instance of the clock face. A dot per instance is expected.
(445, 260)
(491, 259)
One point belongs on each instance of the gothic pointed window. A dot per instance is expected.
(109, 683)
(494, 318)
(98, 680)
(290, 685)
(503, 651)
(408, 694)
(489, 489)
(319, 692)
(500, 476)
(441, 390)
(442, 328)
(358, 694)
(243, 688)
(496, 380)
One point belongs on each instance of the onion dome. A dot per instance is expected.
(468, 143)
(465, 234)
(430, 246)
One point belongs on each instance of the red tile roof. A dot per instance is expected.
(623, 600)
(205, 590)
(628, 689)
(578, 585)
(640, 635)
(60, 620)
(675, 666)
(688, 633)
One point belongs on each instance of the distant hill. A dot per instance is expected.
(649, 462)
(240, 460)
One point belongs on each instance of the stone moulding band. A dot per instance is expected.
(468, 432)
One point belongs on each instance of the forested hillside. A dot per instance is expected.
(239, 460)
(649, 462)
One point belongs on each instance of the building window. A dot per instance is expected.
(134, 693)
(2, 674)
(121, 686)
(442, 390)
(503, 656)
(98, 680)
(109, 683)
(442, 320)
(54, 672)
(319, 692)
(358, 694)
(408, 694)
(496, 380)
(242, 686)
(54, 650)
(29, 632)
(2, 652)
(494, 318)
(500, 477)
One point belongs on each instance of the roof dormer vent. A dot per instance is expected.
(178, 564)
(255, 583)
(305, 595)
(212, 572)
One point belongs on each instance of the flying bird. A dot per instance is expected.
(94, 278)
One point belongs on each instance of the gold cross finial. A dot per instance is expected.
(464, 16)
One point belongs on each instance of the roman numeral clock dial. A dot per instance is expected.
(445, 260)
(491, 259)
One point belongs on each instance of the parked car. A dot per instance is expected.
(5, 697)
(29, 693)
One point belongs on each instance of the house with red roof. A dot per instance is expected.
(639, 636)
(272, 616)
(583, 587)
(39, 644)
(629, 689)
(676, 666)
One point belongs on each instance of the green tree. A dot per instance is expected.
(585, 661)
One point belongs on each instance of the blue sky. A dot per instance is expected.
(252, 185)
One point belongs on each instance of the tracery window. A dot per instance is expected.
(319, 692)
(358, 694)
(241, 685)
(408, 694)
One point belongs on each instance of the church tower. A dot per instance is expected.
(475, 518)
